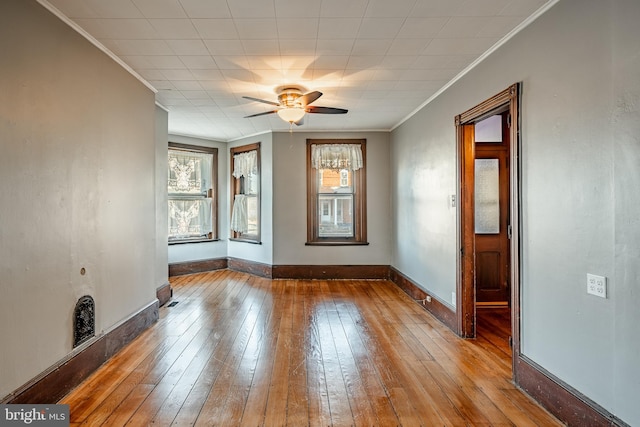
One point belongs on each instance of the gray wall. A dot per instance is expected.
(77, 189)
(579, 65)
(161, 211)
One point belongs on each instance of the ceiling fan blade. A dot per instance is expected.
(262, 100)
(261, 114)
(325, 110)
(308, 98)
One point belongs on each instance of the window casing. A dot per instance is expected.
(192, 207)
(336, 192)
(245, 193)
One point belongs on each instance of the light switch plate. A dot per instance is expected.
(597, 285)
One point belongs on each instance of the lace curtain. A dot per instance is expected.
(245, 164)
(239, 216)
(189, 218)
(336, 156)
(189, 172)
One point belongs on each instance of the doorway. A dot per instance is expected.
(488, 213)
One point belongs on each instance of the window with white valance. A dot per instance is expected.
(245, 164)
(245, 193)
(190, 185)
(336, 200)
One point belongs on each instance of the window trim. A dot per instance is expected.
(235, 188)
(359, 204)
(213, 192)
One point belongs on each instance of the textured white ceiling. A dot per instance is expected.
(380, 59)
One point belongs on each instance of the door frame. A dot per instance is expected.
(465, 286)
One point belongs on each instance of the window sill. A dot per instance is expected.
(336, 243)
(254, 242)
(182, 242)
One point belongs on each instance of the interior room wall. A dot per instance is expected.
(161, 210)
(290, 203)
(578, 64)
(184, 252)
(77, 190)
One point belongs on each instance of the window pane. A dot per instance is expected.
(252, 214)
(487, 195)
(489, 129)
(332, 181)
(189, 218)
(189, 172)
(251, 184)
(335, 215)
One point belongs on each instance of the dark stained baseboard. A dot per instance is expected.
(164, 294)
(200, 266)
(560, 399)
(328, 272)
(440, 310)
(256, 268)
(59, 380)
(302, 272)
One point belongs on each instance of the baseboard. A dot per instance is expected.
(60, 379)
(301, 272)
(328, 272)
(436, 307)
(251, 267)
(200, 266)
(563, 401)
(164, 294)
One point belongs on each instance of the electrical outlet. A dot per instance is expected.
(597, 285)
(453, 298)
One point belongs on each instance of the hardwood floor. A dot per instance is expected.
(239, 350)
(493, 329)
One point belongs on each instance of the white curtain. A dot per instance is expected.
(336, 156)
(189, 172)
(245, 164)
(239, 217)
(189, 218)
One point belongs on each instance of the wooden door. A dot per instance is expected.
(491, 210)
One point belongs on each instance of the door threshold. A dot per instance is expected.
(491, 304)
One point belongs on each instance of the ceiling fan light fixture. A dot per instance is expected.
(291, 115)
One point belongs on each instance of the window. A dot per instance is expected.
(336, 192)
(245, 193)
(344, 178)
(191, 183)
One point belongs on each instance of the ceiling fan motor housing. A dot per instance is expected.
(288, 98)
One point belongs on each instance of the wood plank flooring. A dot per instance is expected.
(239, 350)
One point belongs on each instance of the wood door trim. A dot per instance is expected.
(465, 290)
(465, 294)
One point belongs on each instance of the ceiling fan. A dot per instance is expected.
(293, 104)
